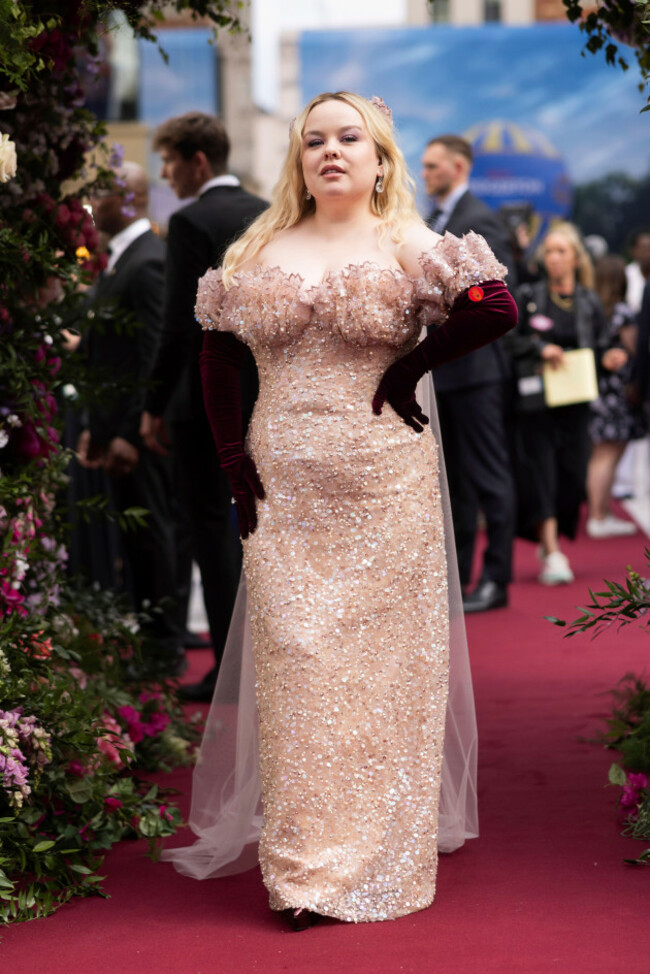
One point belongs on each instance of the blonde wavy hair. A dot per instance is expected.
(395, 207)
(585, 270)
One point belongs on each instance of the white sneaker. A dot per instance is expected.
(610, 527)
(556, 570)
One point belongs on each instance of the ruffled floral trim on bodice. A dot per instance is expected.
(448, 269)
(363, 304)
(367, 305)
(262, 305)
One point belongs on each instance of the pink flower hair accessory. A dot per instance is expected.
(381, 106)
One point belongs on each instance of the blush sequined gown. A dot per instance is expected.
(347, 581)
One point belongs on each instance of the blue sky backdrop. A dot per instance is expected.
(448, 79)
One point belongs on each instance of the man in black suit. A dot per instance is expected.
(125, 315)
(194, 149)
(471, 393)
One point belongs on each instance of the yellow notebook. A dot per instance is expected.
(574, 381)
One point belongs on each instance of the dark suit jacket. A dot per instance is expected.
(198, 237)
(487, 364)
(126, 316)
(591, 324)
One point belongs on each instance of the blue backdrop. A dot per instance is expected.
(542, 118)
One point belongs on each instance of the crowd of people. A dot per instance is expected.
(527, 465)
(514, 464)
(298, 423)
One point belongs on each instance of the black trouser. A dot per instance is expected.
(472, 423)
(150, 559)
(203, 492)
(552, 453)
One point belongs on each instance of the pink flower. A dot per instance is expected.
(156, 724)
(76, 769)
(637, 781)
(629, 802)
(39, 648)
(113, 803)
(11, 598)
(45, 202)
(28, 444)
(113, 743)
(630, 799)
(79, 676)
(131, 717)
(62, 215)
(82, 832)
(162, 811)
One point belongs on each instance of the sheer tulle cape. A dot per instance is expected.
(226, 811)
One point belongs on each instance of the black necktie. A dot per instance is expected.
(437, 220)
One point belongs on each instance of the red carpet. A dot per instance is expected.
(543, 889)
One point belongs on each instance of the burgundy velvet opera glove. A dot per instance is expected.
(221, 362)
(479, 315)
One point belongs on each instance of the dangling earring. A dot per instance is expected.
(379, 185)
(307, 195)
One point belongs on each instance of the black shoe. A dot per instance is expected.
(194, 640)
(301, 921)
(178, 666)
(486, 595)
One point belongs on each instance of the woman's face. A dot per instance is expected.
(339, 158)
(560, 258)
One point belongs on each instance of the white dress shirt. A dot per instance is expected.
(225, 180)
(636, 282)
(118, 244)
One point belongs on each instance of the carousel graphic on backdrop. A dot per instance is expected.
(520, 173)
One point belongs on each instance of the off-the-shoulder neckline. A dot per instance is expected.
(300, 281)
(397, 273)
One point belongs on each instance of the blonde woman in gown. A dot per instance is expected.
(339, 504)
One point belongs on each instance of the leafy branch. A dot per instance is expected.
(612, 23)
(619, 605)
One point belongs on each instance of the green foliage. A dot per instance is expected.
(619, 604)
(627, 730)
(17, 28)
(625, 22)
(74, 726)
(91, 731)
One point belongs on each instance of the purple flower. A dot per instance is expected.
(117, 156)
(128, 209)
